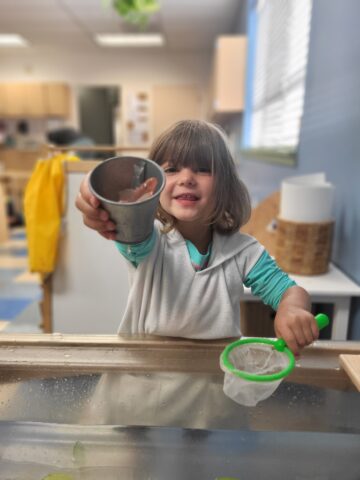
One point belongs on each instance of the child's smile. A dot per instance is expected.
(187, 199)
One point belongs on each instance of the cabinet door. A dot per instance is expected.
(229, 74)
(34, 99)
(22, 100)
(57, 100)
(14, 99)
(172, 103)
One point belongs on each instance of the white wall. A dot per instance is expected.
(107, 67)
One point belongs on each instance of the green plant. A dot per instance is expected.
(136, 12)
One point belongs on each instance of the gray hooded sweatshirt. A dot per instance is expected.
(168, 297)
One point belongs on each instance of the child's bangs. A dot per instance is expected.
(191, 154)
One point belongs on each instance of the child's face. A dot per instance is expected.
(188, 194)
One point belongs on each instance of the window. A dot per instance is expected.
(277, 61)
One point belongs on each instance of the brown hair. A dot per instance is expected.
(195, 143)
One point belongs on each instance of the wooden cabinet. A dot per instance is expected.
(13, 98)
(34, 100)
(227, 88)
(57, 99)
(172, 103)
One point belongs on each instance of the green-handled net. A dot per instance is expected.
(254, 367)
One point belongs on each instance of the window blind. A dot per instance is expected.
(281, 51)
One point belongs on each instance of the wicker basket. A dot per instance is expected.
(304, 248)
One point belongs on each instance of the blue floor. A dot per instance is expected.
(18, 235)
(7, 275)
(14, 252)
(10, 308)
(19, 302)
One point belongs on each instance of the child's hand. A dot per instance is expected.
(93, 216)
(293, 322)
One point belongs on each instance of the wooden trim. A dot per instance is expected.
(112, 340)
(351, 365)
(4, 228)
(46, 304)
(35, 355)
(97, 148)
(80, 167)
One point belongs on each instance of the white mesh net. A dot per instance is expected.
(254, 358)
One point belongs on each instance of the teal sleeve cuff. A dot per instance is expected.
(137, 252)
(268, 281)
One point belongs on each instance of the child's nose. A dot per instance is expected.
(187, 176)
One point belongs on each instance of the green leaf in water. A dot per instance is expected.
(226, 478)
(79, 454)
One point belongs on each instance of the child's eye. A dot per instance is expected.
(170, 170)
(205, 170)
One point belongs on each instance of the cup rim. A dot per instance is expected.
(125, 204)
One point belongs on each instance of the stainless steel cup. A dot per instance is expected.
(134, 221)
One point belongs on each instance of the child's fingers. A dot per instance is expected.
(148, 186)
(314, 329)
(293, 345)
(108, 235)
(310, 334)
(287, 334)
(86, 193)
(94, 217)
(89, 211)
(99, 225)
(147, 189)
(97, 219)
(309, 331)
(298, 337)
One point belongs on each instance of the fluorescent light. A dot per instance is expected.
(130, 40)
(12, 40)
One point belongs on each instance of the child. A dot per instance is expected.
(187, 278)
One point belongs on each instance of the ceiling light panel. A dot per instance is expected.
(12, 40)
(130, 40)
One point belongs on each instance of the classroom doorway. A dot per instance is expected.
(98, 113)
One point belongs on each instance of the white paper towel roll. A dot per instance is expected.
(307, 198)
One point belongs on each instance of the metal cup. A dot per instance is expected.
(134, 220)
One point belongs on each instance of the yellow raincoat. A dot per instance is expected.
(43, 208)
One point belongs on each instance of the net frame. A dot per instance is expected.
(224, 358)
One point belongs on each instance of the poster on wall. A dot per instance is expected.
(137, 119)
